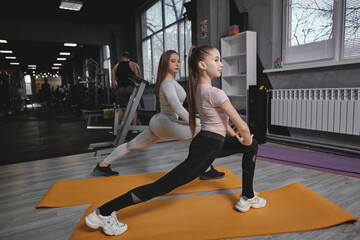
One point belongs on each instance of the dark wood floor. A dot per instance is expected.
(38, 134)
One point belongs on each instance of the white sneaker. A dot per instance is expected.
(110, 224)
(244, 204)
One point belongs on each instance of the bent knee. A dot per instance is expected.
(255, 144)
(253, 148)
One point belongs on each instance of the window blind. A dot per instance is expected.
(351, 37)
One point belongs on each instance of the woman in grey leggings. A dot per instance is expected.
(164, 125)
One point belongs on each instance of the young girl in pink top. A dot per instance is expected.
(216, 139)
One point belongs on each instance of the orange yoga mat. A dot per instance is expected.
(87, 191)
(293, 208)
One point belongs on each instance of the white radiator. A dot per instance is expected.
(325, 109)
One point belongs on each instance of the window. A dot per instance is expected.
(163, 28)
(321, 30)
(174, 10)
(28, 88)
(107, 61)
(152, 19)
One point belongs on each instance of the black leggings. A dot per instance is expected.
(204, 148)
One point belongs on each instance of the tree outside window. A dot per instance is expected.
(321, 30)
(310, 21)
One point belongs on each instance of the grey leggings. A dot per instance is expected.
(204, 148)
(161, 126)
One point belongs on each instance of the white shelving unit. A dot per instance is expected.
(238, 54)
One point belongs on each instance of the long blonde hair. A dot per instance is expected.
(162, 70)
(196, 54)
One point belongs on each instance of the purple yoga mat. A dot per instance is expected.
(349, 166)
(357, 175)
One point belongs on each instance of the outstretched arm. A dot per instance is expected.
(245, 138)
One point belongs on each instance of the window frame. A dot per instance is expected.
(338, 35)
(181, 22)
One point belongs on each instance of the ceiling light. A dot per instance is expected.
(32, 66)
(57, 64)
(3, 41)
(70, 5)
(6, 51)
(65, 53)
(9, 57)
(14, 63)
(55, 67)
(61, 59)
(70, 44)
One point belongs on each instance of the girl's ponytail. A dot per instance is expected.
(196, 54)
(192, 84)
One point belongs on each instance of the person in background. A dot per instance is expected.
(46, 94)
(122, 85)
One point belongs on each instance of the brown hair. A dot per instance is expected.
(126, 55)
(196, 54)
(162, 70)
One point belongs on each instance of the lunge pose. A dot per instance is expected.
(211, 142)
(164, 125)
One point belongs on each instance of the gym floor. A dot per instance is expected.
(37, 134)
(23, 185)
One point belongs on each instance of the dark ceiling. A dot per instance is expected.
(44, 54)
(92, 11)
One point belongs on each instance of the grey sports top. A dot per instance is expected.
(172, 96)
